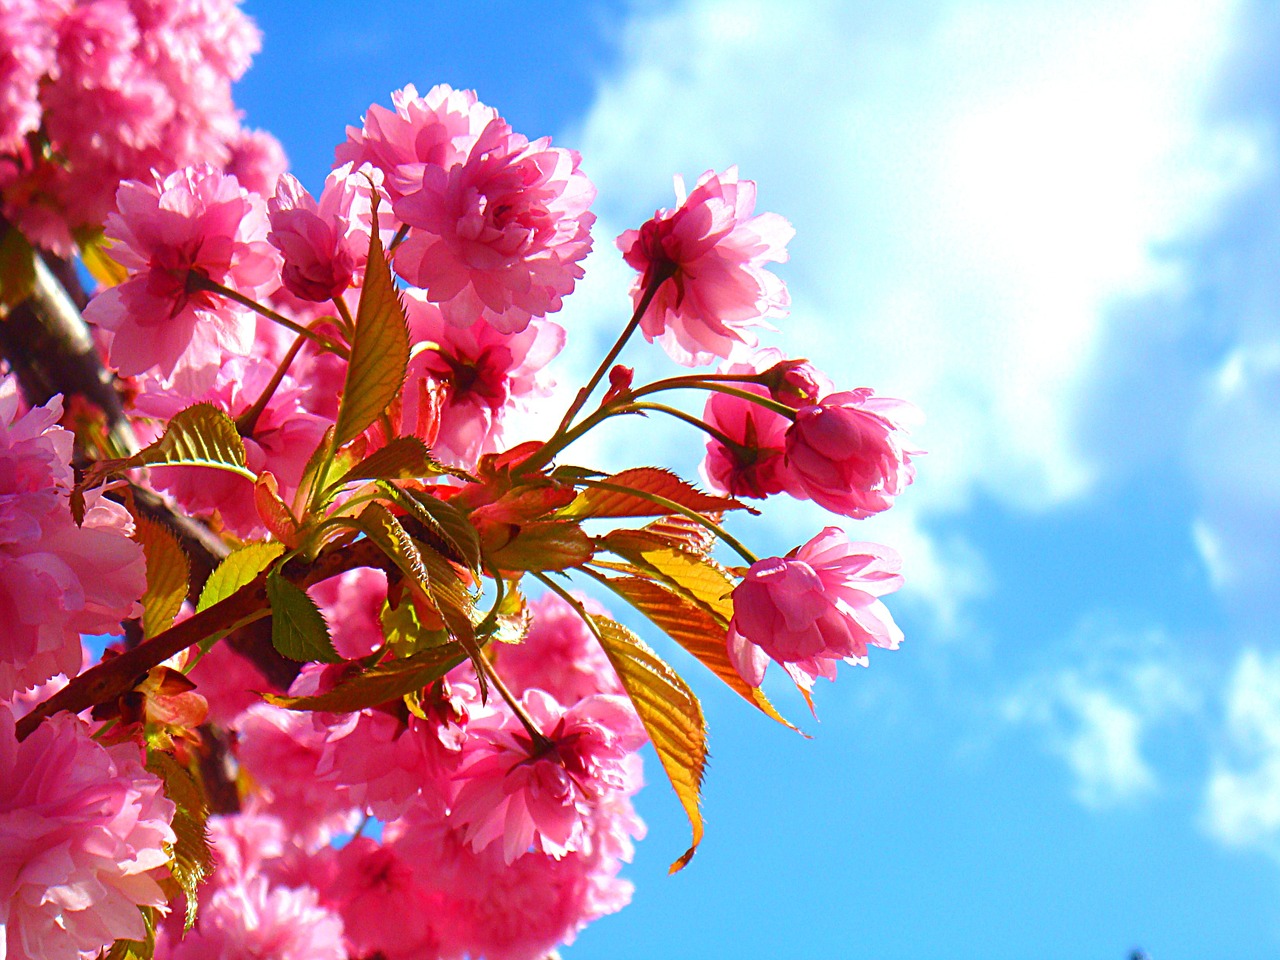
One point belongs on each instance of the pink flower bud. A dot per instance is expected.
(318, 264)
(847, 453)
(813, 607)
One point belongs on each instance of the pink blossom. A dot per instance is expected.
(524, 909)
(371, 883)
(322, 243)
(281, 750)
(848, 452)
(391, 762)
(229, 683)
(82, 843)
(525, 794)
(57, 579)
(352, 606)
(707, 256)
(817, 605)
(257, 160)
(498, 235)
(434, 130)
(259, 919)
(26, 55)
(135, 86)
(194, 223)
(280, 441)
(484, 372)
(560, 655)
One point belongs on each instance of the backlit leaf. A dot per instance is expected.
(670, 713)
(385, 682)
(541, 545)
(298, 630)
(693, 575)
(651, 486)
(404, 458)
(168, 571)
(379, 349)
(695, 629)
(236, 570)
(96, 259)
(191, 859)
(442, 519)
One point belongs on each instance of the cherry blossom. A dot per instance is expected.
(83, 844)
(813, 607)
(849, 454)
(196, 224)
(707, 259)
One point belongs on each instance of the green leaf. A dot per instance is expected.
(404, 458)
(191, 859)
(695, 629)
(168, 571)
(236, 570)
(381, 684)
(298, 630)
(444, 521)
(199, 436)
(143, 949)
(379, 348)
(645, 492)
(541, 545)
(380, 526)
(670, 713)
(17, 267)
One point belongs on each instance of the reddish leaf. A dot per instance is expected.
(386, 682)
(645, 492)
(544, 545)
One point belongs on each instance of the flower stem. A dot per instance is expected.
(691, 420)
(716, 384)
(247, 421)
(655, 282)
(197, 281)
(348, 324)
(682, 510)
(541, 743)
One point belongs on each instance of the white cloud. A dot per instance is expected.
(1099, 714)
(1242, 801)
(973, 184)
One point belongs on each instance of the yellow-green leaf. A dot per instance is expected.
(168, 571)
(644, 492)
(540, 545)
(298, 630)
(96, 259)
(191, 859)
(695, 629)
(236, 570)
(143, 949)
(404, 458)
(379, 349)
(443, 521)
(670, 713)
(385, 682)
(17, 267)
(693, 575)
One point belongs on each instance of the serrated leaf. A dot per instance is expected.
(645, 492)
(379, 349)
(199, 436)
(236, 570)
(17, 267)
(380, 526)
(168, 571)
(404, 458)
(695, 629)
(191, 859)
(670, 713)
(693, 575)
(443, 519)
(385, 682)
(298, 630)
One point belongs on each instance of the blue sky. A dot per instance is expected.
(1054, 226)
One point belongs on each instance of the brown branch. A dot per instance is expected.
(111, 678)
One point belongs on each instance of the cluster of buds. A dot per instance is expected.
(324, 384)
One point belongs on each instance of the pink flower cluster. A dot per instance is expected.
(493, 844)
(83, 830)
(97, 92)
(57, 580)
